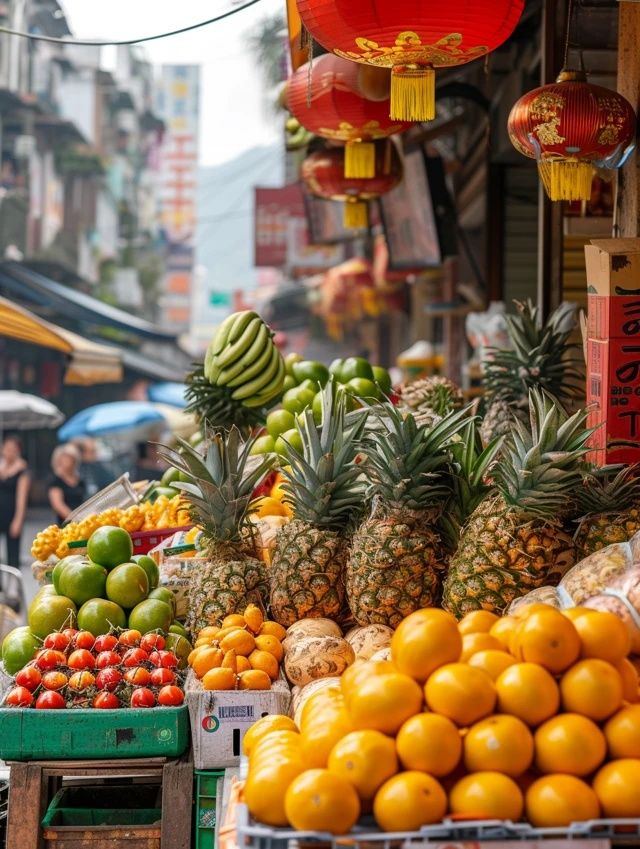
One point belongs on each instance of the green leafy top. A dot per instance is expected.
(214, 407)
(610, 489)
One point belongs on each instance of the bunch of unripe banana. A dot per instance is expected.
(243, 359)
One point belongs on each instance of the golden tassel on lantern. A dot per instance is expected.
(359, 159)
(413, 93)
(566, 179)
(356, 215)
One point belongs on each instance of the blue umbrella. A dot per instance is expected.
(168, 393)
(115, 417)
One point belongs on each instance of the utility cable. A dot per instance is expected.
(142, 40)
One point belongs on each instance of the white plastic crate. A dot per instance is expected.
(120, 494)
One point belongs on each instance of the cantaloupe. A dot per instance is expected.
(310, 628)
(382, 654)
(366, 640)
(317, 657)
(303, 694)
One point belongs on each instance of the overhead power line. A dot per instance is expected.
(130, 41)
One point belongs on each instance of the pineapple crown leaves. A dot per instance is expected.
(542, 465)
(323, 482)
(221, 483)
(409, 466)
(610, 489)
(215, 409)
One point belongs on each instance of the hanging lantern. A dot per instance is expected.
(412, 38)
(325, 100)
(568, 127)
(323, 175)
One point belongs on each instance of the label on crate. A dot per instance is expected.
(613, 317)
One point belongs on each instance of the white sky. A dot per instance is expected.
(233, 114)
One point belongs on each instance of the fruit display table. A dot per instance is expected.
(33, 785)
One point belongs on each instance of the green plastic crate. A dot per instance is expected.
(29, 734)
(206, 807)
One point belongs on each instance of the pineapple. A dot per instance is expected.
(514, 539)
(396, 552)
(323, 485)
(540, 356)
(219, 492)
(430, 398)
(610, 501)
(214, 407)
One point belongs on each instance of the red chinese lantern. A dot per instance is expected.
(568, 127)
(325, 101)
(412, 37)
(323, 175)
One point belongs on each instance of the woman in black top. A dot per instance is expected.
(14, 493)
(66, 489)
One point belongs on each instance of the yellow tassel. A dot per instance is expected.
(566, 179)
(356, 215)
(359, 160)
(413, 93)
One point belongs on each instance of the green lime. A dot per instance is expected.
(335, 368)
(150, 567)
(311, 385)
(83, 580)
(99, 616)
(289, 438)
(170, 476)
(127, 585)
(316, 408)
(311, 370)
(164, 594)
(168, 491)
(177, 628)
(51, 613)
(360, 387)
(18, 648)
(355, 367)
(288, 383)
(347, 392)
(151, 615)
(109, 546)
(290, 360)
(180, 646)
(263, 445)
(61, 565)
(295, 400)
(383, 379)
(48, 589)
(184, 477)
(278, 421)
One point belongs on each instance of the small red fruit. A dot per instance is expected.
(161, 676)
(106, 701)
(54, 680)
(164, 658)
(105, 642)
(134, 657)
(56, 640)
(29, 677)
(151, 642)
(138, 676)
(170, 696)
(81, 659)
(70, 633)
(130, 637)
(50, 700)
(107, 658)
(19, 697)
(84, 640)
(143, 698)
(81, 681)
(49, 659)
(108, 679)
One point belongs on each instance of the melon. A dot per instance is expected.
(317, 657)
(310, 628)
(304, 694)
(382, 654)
(366, 640)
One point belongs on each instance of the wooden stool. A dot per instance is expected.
(30, 794)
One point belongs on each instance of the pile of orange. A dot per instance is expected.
(244, 653)
(534, 716)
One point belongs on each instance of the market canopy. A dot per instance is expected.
(114, 417)
(172, 394)
(89, 362)
(20, 411)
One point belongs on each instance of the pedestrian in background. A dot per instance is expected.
(14, 495)
(92, 471)
(66, 488)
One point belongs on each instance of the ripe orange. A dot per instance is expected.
(424, 641)
(480, 641)
(429, 743)
(233, 620)
(319, 800)
(273, 629)
(270, 644)
(593, 688)
(477, 621)
(266, 662)
(208, 632)
(266, 724)
(569, 743)
(366, 759)
(603, 635)
(321, 728)
(219, 678)
(462, 693)
(242, 664)
(492, 662)
(623, 733)
(572, 613)
(559, 800)
(529, 692)
(548, 638)
(408, 801)
(617, 786)
(254, 679)
(487, 795)
(523, 611)
(499, 743)
(504, 629)
(362, 671)
(206, 659)
(630, 683)
(266, 787)
(241, 641)
(275, 744)
(385, 702)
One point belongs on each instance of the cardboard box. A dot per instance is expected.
(220, 719)
(613, 267)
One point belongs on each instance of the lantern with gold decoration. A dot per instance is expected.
(323, 175)
(325, 100)
(569, 127)
(412, 38)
